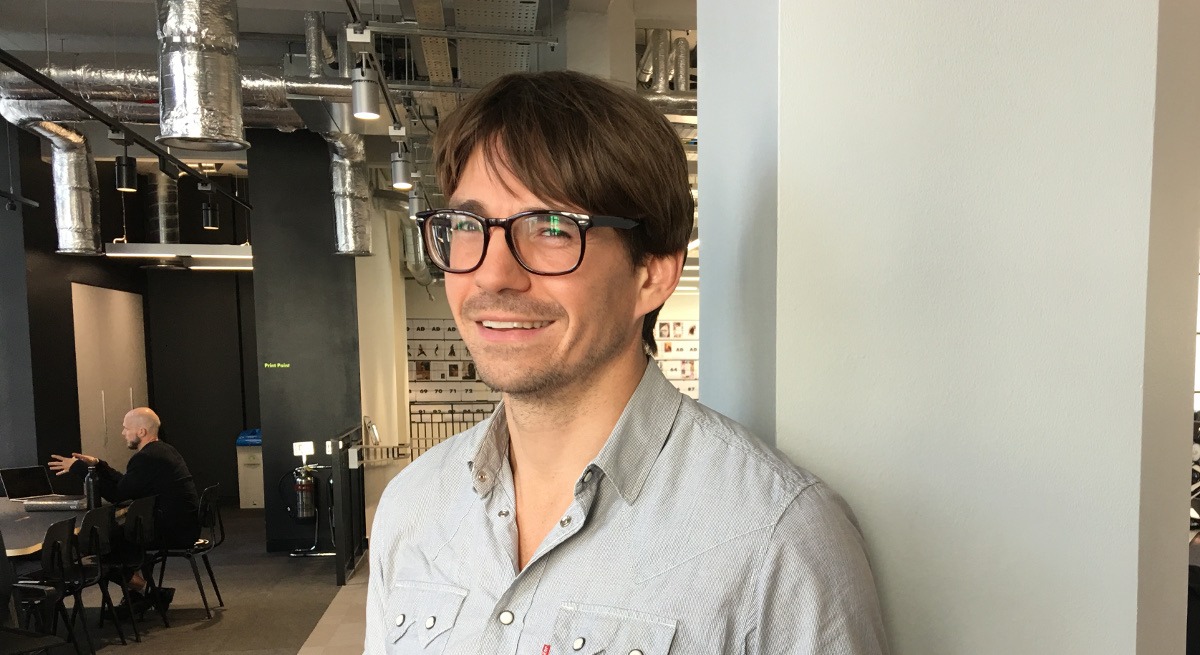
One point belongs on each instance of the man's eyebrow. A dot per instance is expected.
(472, 206)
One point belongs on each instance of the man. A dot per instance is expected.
(597, 509)
(156, 469)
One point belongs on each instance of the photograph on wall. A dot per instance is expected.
(687, 369)
(664, 330)
(422, 370)
(677, 330)
(469, 371)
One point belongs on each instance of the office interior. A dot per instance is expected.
(950, 265)
(267, 276)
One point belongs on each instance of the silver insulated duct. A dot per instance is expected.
(351, 193)
(200, 91)
(162, 210)
(76, 191)
(681, 55)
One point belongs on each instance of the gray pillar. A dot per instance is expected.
(18, 436)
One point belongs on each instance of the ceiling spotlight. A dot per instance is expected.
(364, 87)
(401, 179)
(209, 215)
(126, 173)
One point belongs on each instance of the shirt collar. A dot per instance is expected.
(627, 455)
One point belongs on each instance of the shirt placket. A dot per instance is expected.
(506, 625)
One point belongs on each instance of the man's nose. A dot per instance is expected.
(500, 270)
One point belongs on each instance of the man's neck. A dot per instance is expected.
(147, 440)
(553, 440)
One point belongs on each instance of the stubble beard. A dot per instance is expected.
(554, 378)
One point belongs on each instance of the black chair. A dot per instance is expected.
(139, 536)
(13, 640)
(96, 554)
(212, 534)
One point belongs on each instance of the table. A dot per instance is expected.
(23, 531)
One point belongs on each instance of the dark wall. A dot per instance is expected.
(306, 314)
(194, 335)
(18, 436)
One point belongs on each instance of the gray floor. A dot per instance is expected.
(272, 602)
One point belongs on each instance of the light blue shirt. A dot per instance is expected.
(686, 535)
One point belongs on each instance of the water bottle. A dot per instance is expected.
(89, 488)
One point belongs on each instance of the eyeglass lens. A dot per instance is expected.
(544, 243)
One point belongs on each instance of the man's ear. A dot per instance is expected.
(660, 277)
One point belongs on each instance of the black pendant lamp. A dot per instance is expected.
(126, 173)
(210, 217)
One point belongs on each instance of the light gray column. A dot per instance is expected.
(738, 121)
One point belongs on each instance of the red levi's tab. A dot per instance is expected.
(545, 649)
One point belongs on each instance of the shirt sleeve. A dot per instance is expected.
(814, 590)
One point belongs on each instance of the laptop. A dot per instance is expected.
(30, 485)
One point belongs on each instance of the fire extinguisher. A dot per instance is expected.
(303, 501)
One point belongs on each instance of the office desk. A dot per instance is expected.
(23, 531)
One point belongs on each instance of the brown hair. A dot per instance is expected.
(575, 139)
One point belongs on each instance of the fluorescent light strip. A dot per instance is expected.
(686, 288)
(691, 278)
(221, 268)
(692, 267)
(219, 256)
(141, 254)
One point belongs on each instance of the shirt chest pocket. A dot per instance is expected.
(421, 615)
(593, 629)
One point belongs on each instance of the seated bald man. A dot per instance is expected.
(156, 469)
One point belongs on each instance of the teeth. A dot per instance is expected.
(514, 325)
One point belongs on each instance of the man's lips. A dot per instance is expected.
(513, 325)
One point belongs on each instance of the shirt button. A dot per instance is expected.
(429, 622)
(506, 617)
(565, 522)
(578, 645)
(635, 652)
(587, 477)
(503, 513)
(399, 620)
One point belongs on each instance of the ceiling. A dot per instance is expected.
(122, 34)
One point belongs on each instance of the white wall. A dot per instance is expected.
(383, 366)
(986, 290)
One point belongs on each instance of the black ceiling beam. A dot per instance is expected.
(35, 76)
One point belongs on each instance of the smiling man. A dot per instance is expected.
(598, 509)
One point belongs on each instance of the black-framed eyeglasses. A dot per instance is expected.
(543, 242)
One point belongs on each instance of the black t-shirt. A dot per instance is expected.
(155, 470)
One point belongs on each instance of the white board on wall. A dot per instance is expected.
(110, 360)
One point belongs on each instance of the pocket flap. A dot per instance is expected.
(592, 629)
(428, 609)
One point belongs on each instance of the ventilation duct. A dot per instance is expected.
(414, 255)
(351, 193)
(316, 44)
(162, 211)
(681, 53)
(646, 65)
(662, 61)
(76, 191)
(200, 97)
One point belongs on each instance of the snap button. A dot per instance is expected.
(433, 619)
(399, 620)
(635, 652)
(565, 522)
(587, 477)
(506, 617)
(578, 645)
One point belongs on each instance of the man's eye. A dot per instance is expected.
(466, 226)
